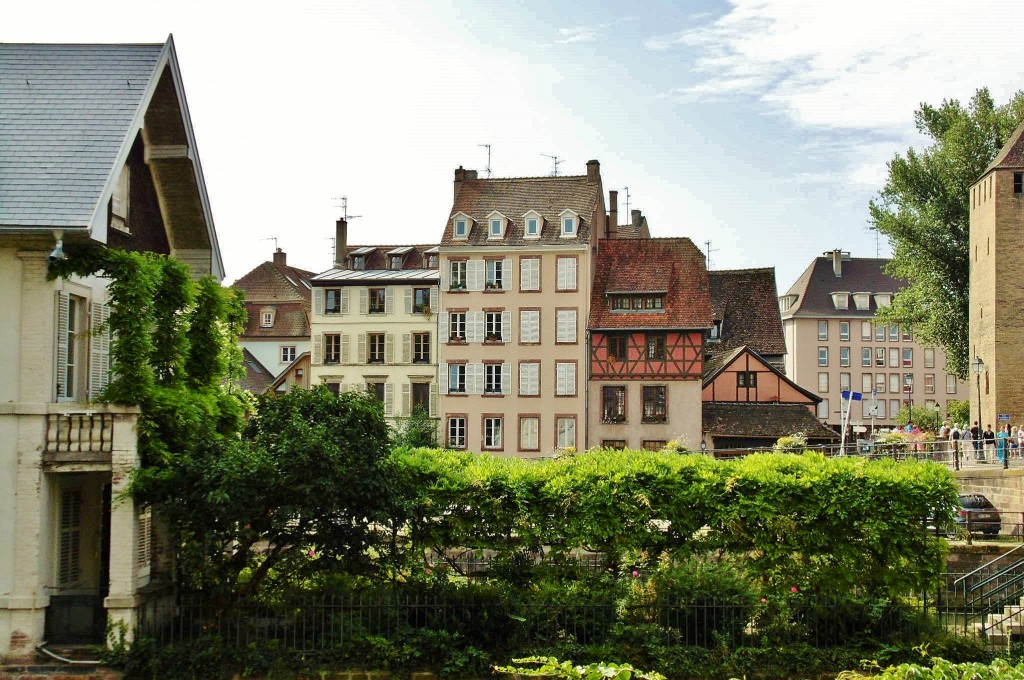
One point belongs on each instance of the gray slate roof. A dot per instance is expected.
(65, 111)
(815, 286)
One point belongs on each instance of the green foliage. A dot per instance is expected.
(416, 430)
(921, 417)
(924, 211)
(794, 443)
(959, 411)
(940, 669)
(550, 667)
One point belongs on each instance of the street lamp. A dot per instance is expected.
(979, 366)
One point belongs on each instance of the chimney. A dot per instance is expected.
(613, 214)
(837, 256)
(340, 243)
(461, 176)
(636, 219)
(593, 171)
(280, 258)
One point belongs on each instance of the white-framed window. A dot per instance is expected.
(880, 383)
(880, 333)
(529, 274)
(894, 383)
(492, 432)
(492, 327)
(457, 278)
(461, 228)
(908, 357)
(862, 300)
(496, 223)
(867, 381)
(894, 333)
(879, 356)
(841, 300)
(565, 432)
(823, 409)
(332, 301)
(570, 224)
(287, 354)
(950, 384)
(823, 382)
(495, 229)
(823, 330)
(865, 330)
(882, 300)
(844, 357)
(457, 326)
(565, 273)
(456, 378)
(492, 379)
(494, 270)
(823, 356)
(929, 383)
(844, 331)
(529, 378)
(865, 356)
(844, 381)
(894, 408)
(894, 357)
(531, 227)
(456, 432)
(565, 378)
(565, 325)
(929, 357)
(529, 433)
(529, 326)
(267, 319)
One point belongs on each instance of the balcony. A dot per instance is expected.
(79, 437)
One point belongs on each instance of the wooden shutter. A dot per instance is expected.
(406, 348)
(475, 274)
(529, 325)
(566, 273)
(389, 399)
(344, 348)
(442, 373)
(318, 301)
(63, 300)
(344, 300)
(69, 566)
(529, 379)
(443, 272)
(506, 378)
(361, 349)
(434, 304)
(143, 542)
(389, 348)
(566, 325)
(474, 327)
(406, 399)
(408, 300)
(528, 434)
(475, 378)
(364, 301)
(506, 326)
(506, 274)
(318, 349)
(433, 400)
(389, 300)
(99, 349)
(443, 332)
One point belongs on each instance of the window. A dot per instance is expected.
(614, 444)
(376, 389)
(457, 269)
(950, 384)
(823, 409)
(655, 346)
(653, 444)
(866, 382)
(287, 354)
(823, 382)
(457, 327)
(894, 383)
(568, 226)
(529, 379)
(865, 356)
(862, 300)
(882, 300)
(431, 261)
(880, 333)
(532, 227)
(377, 300)
(492, 327)
(492, 432)
(617, 344)
(908, 382)
(613, 404)
(844, 331)
(395, 262)
(929, 383)
(844, 382)
(823, 330)
(420, 300)
(929, 357)
(493, 278)
(844, 357)
(421, 397)
(908, 357)
(333, 387)
(358, 262)
(421, 348)
(865, 330)
(565, 379)
(492, 379)
(565, 326)
(456, 378)
(565, 432)
(375, 348)
(461, 228)
(529, 326)
(529, 433)
(267, 319)
(332, 301)
(119, 200)
(457, 432)
(636, 303)
(746, 379)
(565, 278)
(654, 404)
(332, 348)
(72, 332)
(715, 334)
(1018, 183)
(529, 273)
(880, 383)
(879, 356)
(894, 408)
(841, 300)
(823, 356)
(894, 357)
(495, 231)
(894, 333)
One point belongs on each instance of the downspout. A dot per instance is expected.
(586, 399)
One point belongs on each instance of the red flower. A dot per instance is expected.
(793, 589)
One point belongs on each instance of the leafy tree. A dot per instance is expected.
(418, 430)
(924, 211)
(959, 411)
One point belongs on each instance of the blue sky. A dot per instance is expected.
(763, 126)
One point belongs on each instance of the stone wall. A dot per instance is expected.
(1005, 488)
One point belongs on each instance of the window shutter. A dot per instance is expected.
(389, 300)
(389, 399)
(364, 301)
(433, 400)
(389, 348)
(344, 300)
(475, 378)
(143, 545)
(62, 343)
(561, 274)
(406, 348)
(406, 399)
(475, 274)
(99, 349)
(443, 275)
(344, 348)
(506, 326)
(361, 349)
(559, 379)
(318, 349)
(566, 325)
(443, 332)
(318, 301)
(69, 568)
(506, 273)
(529, 325)
(506, 378)
(475, 327)
(408, 300)
(433, 300)
(442, 373)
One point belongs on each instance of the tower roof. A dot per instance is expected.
(1012, 153)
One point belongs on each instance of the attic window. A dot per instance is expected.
(716, 331)
(637, 303)
(432, 261)
(495, 231)
(862, 300)
(568, 226)
(881, 300)
(841, 300)
(395, 262)
(531, 224)
(461, 228)
(358, 262)
(267, 318)
(496, 223)
(786, 302)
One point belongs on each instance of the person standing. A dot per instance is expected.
(990, 440)
(976, 441)
(1002, 442)
(954, 440)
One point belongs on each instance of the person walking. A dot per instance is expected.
(1002, 442)
(954, 440)
(976, 441)
(990, 440)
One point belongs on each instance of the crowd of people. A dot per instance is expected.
(984, 445)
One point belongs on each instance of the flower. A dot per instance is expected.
(426, 571)
(635, 573)
(764, 599)
(312, 552)
(793, 589)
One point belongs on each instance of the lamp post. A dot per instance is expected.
(978, 365)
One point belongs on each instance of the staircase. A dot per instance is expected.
(993, 598)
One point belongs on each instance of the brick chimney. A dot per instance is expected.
(636, 218)
(340, 243)
(613, 214)
(593, 171)
(280, 258)
(461, 176)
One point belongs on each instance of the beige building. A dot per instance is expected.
(996, 293)
(96, 147)
(374, 325)
(834, 345)
(515, 265)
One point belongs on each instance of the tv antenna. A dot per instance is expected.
(344, 208)
(271, 238)
(555, 162)
(488, 168)
(629, 214)
(707, 245)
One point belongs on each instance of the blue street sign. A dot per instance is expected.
(855, 396)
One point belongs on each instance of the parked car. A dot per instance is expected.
(983, 516)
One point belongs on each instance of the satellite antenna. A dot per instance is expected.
(344, 208)
(488, 168)
(707, 245)
(555, 162)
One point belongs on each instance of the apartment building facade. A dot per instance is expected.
(834, 344)
(374, 325)
(515, 279)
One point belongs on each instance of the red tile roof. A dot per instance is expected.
(283, 288)
(257, 377)
(291, 321)
(674, 266)
(1012, 153)
(746, 301)
(513, 197)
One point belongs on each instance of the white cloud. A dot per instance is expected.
(578, 34)
(864, 65)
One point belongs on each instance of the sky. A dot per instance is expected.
(760, 126)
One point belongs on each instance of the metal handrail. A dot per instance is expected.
(989, 564)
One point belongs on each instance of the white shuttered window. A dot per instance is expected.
(565, 325)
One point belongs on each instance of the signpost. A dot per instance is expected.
(848, 397)
(1003, 418)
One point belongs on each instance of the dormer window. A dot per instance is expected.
(786, 302)
(570, 223)
(358, 262)
(862, 301)
(395, 262)
(267, 317)
(532, 224)
(841, 300)
(461, 224)
(496, 223)
(716, 331)
(882, 299)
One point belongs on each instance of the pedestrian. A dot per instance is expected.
(1014, 437)
(954, 439)
(1001, 442)
(989, 440)
(976, 441)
